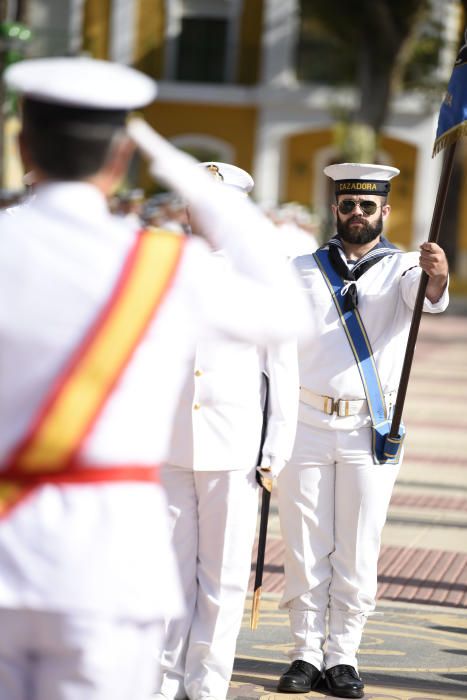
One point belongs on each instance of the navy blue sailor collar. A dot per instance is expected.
(351, 273)
(383, 248)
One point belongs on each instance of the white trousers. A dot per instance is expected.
(333, 502)
(56, 656)
(213, 516)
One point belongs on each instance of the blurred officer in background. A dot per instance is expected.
(212, 490)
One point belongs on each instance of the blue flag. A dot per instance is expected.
(452, 122)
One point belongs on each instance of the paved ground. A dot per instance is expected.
(416, 647)
(408, 652)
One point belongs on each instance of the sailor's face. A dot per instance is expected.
(359, 219)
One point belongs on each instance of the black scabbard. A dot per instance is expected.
(263, 532)
(263, 529)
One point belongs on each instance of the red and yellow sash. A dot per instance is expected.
(49, 453)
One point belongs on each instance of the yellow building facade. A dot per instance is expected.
(228, 91)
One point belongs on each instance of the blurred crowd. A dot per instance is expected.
(297, 226)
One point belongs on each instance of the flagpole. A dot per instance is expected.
(418, 308)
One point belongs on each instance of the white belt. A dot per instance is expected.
(342, 407)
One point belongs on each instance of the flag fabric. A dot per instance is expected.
(452, 122)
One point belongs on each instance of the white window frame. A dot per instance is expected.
(176, 10)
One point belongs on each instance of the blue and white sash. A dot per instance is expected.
(386, 450)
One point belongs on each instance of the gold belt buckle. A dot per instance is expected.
(334, 406)
(346, 408)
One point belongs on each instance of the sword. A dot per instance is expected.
(263, 522)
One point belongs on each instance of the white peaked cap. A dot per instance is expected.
(82, 83)
(230, 175)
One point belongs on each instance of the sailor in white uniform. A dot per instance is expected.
(212, 491)
(97, 326)
(333, 497)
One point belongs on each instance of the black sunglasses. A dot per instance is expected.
(346, 206)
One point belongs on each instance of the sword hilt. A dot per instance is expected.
(254, 619)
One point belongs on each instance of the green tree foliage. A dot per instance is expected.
(366, 44)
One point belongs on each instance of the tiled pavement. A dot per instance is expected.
(422, 637)
(408, 652)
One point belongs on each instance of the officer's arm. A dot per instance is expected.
(266, 299)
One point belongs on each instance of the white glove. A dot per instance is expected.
(269, 469)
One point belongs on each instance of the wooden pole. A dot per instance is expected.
(418, 308)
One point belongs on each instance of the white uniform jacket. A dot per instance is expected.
(103, 547)
(220, 415)
(386, 297)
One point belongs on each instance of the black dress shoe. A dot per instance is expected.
(300, 677)
(344, 682)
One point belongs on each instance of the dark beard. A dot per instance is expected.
(367, 233)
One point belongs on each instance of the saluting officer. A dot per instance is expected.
(335, 491)
(97, 324)
(212, 491)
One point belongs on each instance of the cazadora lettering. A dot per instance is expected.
(367, 186)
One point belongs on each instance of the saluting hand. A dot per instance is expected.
(433, 261)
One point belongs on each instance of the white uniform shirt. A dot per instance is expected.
(386, 297)
(92, 547)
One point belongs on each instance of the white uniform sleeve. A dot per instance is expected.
(266, 291)
(410, 281)
(282, 371)
(239, 306)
